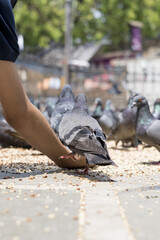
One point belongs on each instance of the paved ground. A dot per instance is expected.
(41, 201)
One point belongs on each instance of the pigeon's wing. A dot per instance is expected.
(153, 132)
(106, 120)
(98, 159)
(101, 137)
(127, 116)
(85, 141)
(58, 113)
(90, 144)
(56, 117)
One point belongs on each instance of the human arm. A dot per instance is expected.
(28, 120)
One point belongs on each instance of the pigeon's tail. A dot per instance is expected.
(98, 159)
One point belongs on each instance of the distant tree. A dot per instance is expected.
(87, 21)
(117, 14)
(43, 20)
(40, 21)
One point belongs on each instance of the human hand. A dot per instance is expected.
(72, 161)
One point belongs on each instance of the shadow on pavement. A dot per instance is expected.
(24, 170)
(156, 163)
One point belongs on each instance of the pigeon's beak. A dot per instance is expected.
(134, 104)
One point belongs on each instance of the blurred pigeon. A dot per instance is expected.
(83, 135)
(47, 113)
(64, 105)
(98, 108)
(108, 121)
(114, 89)
(147, 126)
(109, 105)
(125, 129)
(10, 137)
(156, 109)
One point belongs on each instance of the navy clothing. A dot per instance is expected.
(9, 49)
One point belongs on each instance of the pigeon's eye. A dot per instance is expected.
(140, 100)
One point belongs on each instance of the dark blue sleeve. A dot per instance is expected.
(9, 49)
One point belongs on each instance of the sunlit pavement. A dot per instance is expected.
(41, 201)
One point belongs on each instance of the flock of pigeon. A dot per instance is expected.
(86, 132)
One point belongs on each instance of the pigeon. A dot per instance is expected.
(114, 89)
(64, 105)
(147, 126)
(98, 108)
(82, 134)
(10, 137)
(124, 130)
(156, 110)
(108, 120)
(47, 113)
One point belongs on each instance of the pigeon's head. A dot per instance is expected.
(97, 106)
(134, 94)
(98, 101)
(66, 93)
(139, 101)
(108, 104)
(81, 103)
(67, 88)
(157, 101)
(81, 98)
(130, 100)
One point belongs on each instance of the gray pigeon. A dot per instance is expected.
(64, 105)
(47, 113)
(124, 129)
(147, 126)
(108, 120)
(156, 110)
(97, 108)
(10, 137)
(83, 135)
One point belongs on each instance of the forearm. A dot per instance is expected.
(28, 120)
(42, 137)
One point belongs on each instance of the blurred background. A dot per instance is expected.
(102, 48)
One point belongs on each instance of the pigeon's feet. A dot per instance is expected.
(67, 157)
(85, 172)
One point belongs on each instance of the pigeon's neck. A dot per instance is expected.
(107, 107)
(144, 116)
(98, 110)
(157, 108)
(129, 102)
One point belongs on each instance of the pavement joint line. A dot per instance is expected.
(81, 223)
(32, 187)
(124, 218)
